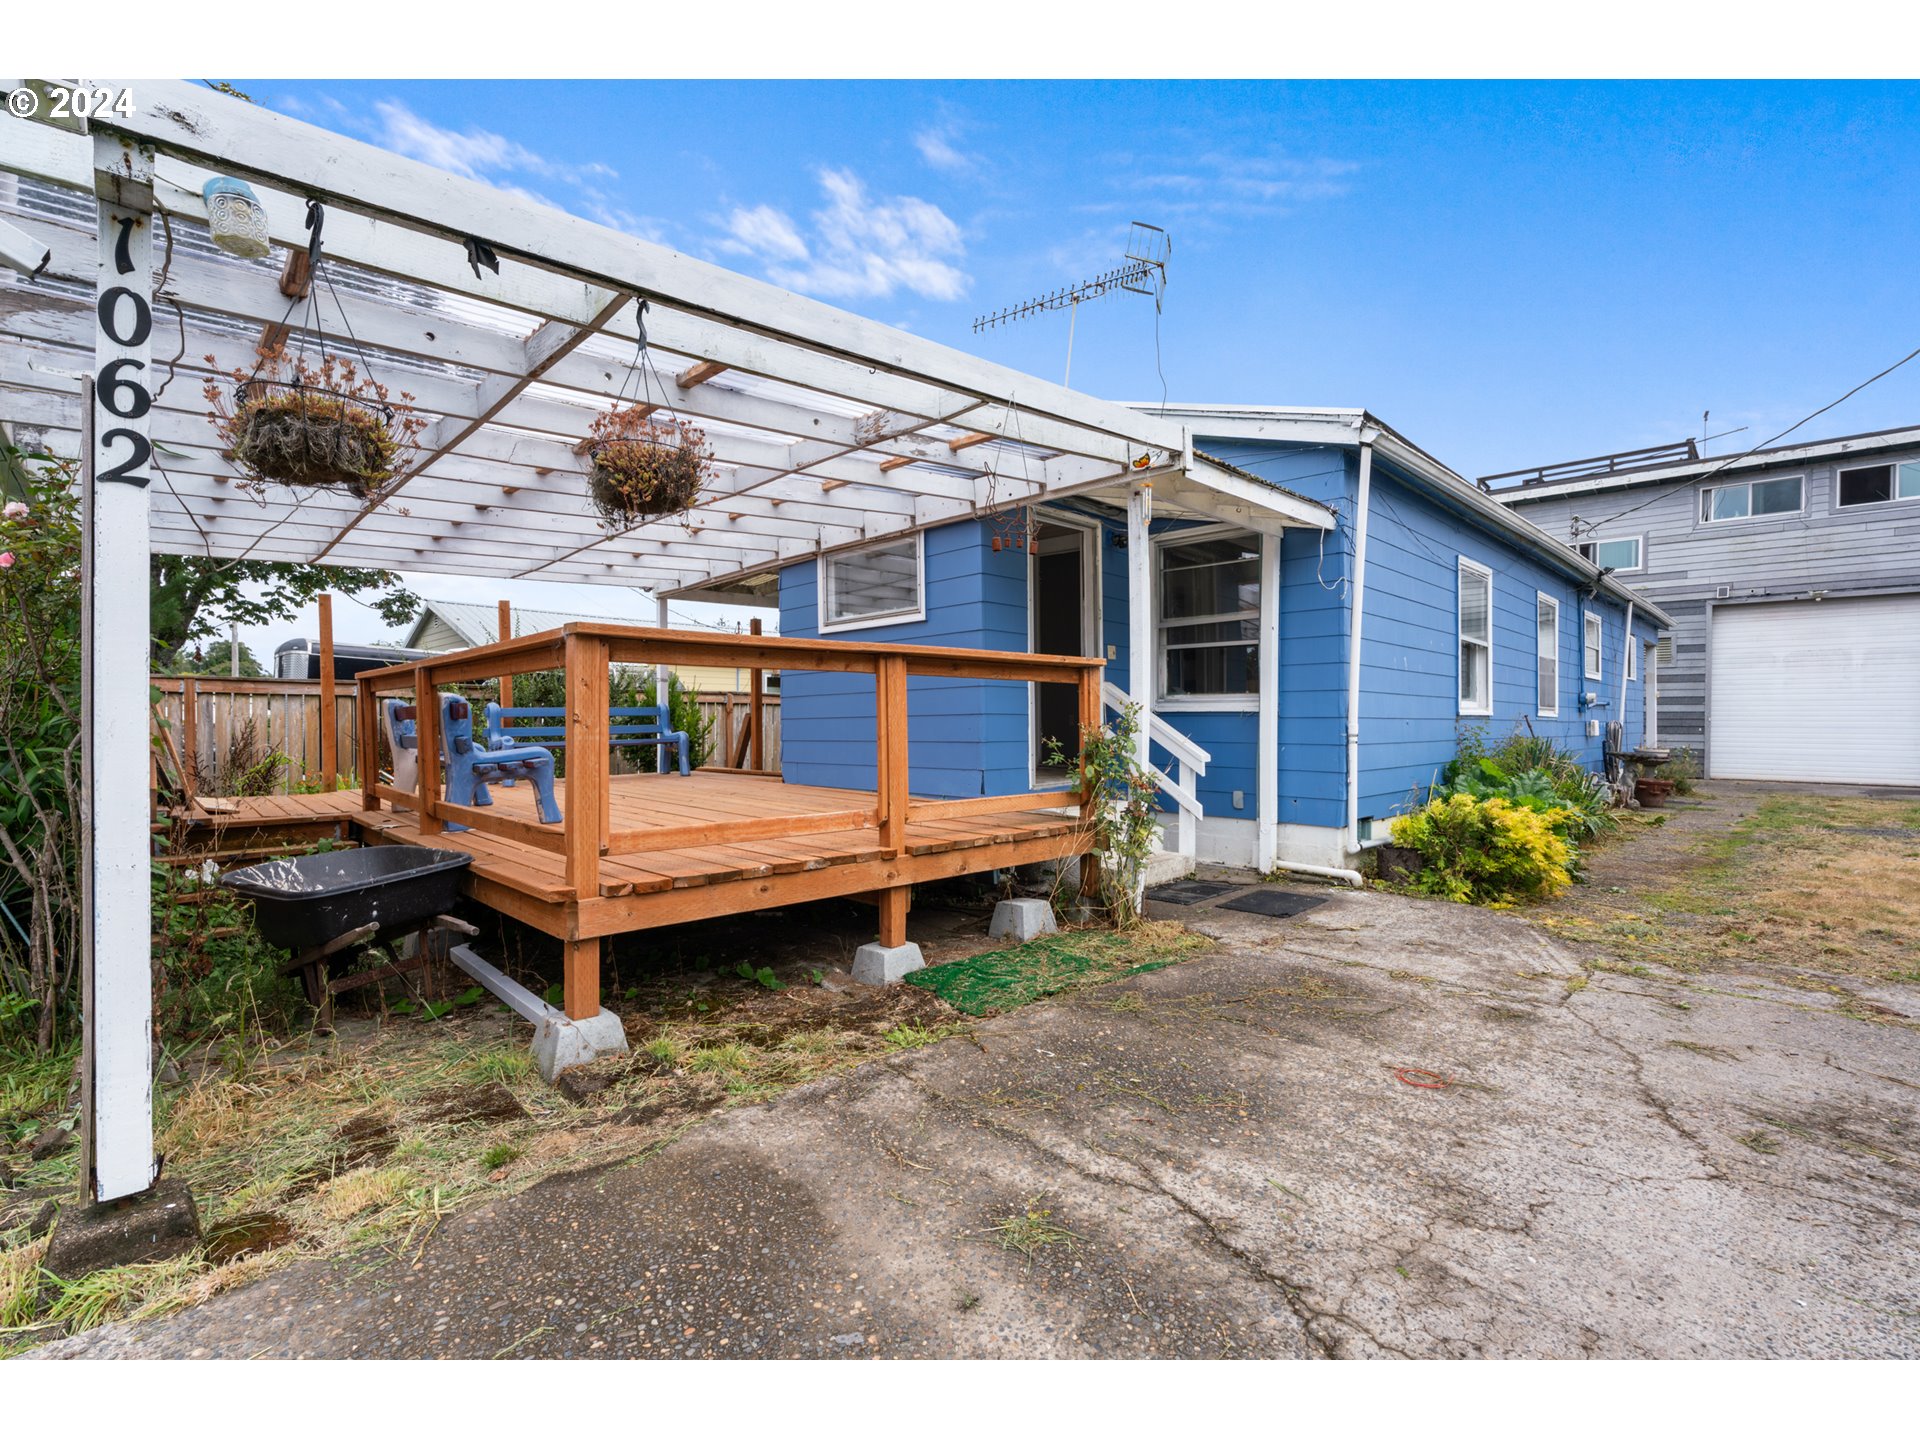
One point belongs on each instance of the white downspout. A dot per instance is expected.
(1361, 506)
(1626, 649)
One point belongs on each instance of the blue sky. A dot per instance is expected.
(1507, 273)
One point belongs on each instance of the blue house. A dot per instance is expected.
(1308, 644)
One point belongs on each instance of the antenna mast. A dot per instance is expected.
(1142, 272)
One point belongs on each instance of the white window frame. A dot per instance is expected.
(1872, 505)
(1546, 709)
(823, 578)
(1633, 659)
(1249, 702)
(1594, 542)
(1461, 639)
(1703, 518)
(1593, 645)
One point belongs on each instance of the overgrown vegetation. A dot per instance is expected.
(39, 755)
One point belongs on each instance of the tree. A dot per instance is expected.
(217, 659)
(193, 597)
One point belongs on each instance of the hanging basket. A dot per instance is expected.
(638, 467)
(315, 438)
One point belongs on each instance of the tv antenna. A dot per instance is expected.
(1143, 272)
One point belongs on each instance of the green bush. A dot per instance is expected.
(1491, 851)
(1531, 772)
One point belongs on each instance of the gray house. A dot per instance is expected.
(1793, 579)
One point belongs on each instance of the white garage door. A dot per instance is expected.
(1817, 690)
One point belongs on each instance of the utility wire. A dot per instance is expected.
(1589, 526)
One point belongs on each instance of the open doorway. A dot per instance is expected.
(1064, 608)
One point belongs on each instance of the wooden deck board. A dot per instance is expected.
(664, 887)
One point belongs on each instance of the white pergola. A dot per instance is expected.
(828, 430)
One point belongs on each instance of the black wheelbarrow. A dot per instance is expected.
(341, 902)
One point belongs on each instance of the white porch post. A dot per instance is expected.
(662, 677)
(1267, 770)
(116, 956)
(1140, 633)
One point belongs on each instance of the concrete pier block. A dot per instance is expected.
(1021, 920)
(886, 964)
(560, 1044)
(158, 1225)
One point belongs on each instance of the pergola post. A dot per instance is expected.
(663, 682)
(116, 952)
(506, 633)
(329, 700)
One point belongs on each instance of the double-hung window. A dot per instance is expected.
(1209, 620)
(877, 585)
(1546, 626)
(1476, 638)
(1594, 645)
(1879, 484)
(1751, 499)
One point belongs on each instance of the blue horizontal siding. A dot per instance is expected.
(971, 737)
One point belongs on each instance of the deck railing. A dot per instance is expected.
(587, 651)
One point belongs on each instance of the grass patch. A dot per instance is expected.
(1801, 883)
(1007, 979)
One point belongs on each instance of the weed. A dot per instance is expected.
(1032, 1230)
(912, 1037)
(761, 975)
(358, 1191)
(667, 1049)
(20, 1276)
(124, 1290)
(729, 1058)
(494, 1156)
(1760, 1142)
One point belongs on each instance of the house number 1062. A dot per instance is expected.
(126, 319)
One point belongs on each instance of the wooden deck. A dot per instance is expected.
(645, 850)
(650, 887)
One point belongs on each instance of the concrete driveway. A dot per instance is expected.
(1219, 1159)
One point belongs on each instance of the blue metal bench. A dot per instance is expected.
(631, 725)
(470, 768)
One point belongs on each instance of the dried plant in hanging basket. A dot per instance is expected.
(639, 466)
(324, 426)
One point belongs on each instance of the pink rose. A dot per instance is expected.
(16, 510)
(6, 559)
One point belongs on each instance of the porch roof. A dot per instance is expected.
(828, 430)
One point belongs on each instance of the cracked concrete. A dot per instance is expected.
(1621, 1165)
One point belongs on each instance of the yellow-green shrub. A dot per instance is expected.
(1487, 851)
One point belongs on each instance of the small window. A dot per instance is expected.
(1595, 644)
(1633, 661)
(1613, 554)
(1751, 499)
(1879, 484)
(1547, 651)
(1476, 639)
(1210, 617)
(875, 586)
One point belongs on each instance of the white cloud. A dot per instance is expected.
(936, 147)
(763, 231)
(493, 159)
(860, 247)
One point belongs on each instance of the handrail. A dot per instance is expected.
(587, 650)
(1164, 735)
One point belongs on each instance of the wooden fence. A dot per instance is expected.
(207, 714)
